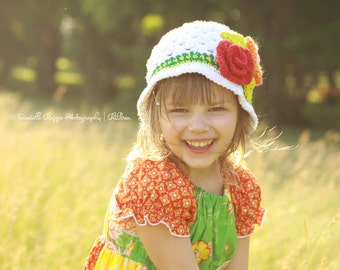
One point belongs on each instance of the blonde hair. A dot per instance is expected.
(186, 89)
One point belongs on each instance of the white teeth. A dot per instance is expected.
(199, 143)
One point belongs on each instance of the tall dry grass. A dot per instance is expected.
(301, 193)
(56, 180)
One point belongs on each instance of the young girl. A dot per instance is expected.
(184, 202)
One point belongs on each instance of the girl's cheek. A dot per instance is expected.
(179, 123)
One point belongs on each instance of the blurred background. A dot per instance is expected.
(95, 51)
(61, 60)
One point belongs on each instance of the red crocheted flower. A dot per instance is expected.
(236, 63)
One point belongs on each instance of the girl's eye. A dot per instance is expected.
(178, 110)
(217, 109)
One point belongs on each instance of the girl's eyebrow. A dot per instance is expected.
(218, 102)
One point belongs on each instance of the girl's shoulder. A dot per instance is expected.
(245, 177)
(246, 198)
(246, 183)
(154, 192)
(163, 169)
(160, 176)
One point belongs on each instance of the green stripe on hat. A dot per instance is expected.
(187, 58)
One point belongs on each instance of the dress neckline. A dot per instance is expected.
(199, 189)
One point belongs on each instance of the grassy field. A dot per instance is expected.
(57, 175)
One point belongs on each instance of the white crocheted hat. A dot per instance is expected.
(210, 49)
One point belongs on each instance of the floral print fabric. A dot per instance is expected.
(246, 199)
(213, 234)
(157, 192)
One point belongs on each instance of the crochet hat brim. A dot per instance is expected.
(205, 70)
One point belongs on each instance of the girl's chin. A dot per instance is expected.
(204, 164)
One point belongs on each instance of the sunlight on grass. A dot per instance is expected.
(64, 63)
(71, 78)
(125, 82)
(151, 24)
(301, 194)
(24, 74)
(66, 73)
(56, 180)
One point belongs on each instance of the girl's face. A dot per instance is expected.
(199, 131)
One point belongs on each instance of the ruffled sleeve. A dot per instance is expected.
(154, 192)
(246, 199)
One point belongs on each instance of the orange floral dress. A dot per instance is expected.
(157, 192)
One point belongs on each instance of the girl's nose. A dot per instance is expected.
(198, 123)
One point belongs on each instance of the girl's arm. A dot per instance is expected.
(167, 252)
(241, 256)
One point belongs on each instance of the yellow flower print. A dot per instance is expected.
(202, 251)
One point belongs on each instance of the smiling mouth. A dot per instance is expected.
(202, 144)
